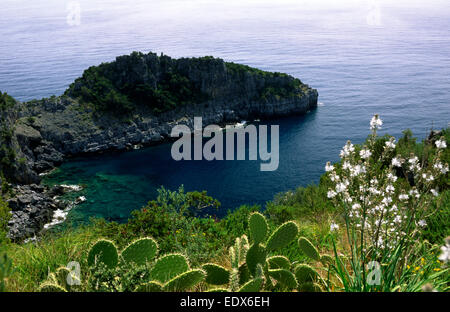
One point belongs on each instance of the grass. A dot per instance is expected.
(33, 261)
(172, 220)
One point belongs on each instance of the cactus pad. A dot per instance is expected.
(244, 274)
(282, 236)
(284, 277)
(308, 248)
(185, 280)
(255, 255)
(258, 227)
(304, 273)
(140, 251)
(254, 285)
(310, 287)
(326, 259)
(218, 290)
(216, 274)
(103, 251)
(169, 266)
(149, 287)
(51, 287)
(279, 262)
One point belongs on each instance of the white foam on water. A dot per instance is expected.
(75, 188)
(60, 215)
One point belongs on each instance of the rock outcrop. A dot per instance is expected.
(31, 209)
(130, 101)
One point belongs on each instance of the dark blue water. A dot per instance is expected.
(391, 58)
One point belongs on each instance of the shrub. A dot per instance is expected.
(386, 201)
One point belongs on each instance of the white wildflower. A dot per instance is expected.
(440, 166)
(397, 219)
(414, 160)
(365, 153)
(422, 223)
(341, 187)
(396, 162)
(414, 163)
(390, 144)
(348, 199)
(392, 177)
(334, 177)
(376, 122)
(441, 143)
(347, 149)
(331, 194)
(445, 256)
(329, 167)
(387, 200)
(357, 170)
(434, 192)
(334, 227)
(414, 193)
(403, 197)
(390, 189)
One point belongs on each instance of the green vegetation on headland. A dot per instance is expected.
(7, 151)
(161, 83)
(100, 88)
(379, 203)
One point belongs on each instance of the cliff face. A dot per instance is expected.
(220, 92)
(135, 100)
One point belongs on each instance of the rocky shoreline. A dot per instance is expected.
(49, 131)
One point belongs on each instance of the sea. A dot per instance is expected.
(390, 58)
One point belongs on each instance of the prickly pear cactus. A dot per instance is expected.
(216, 274)
(255, 255)
(103, 251)
(151, 286)
(258, 227)
(326, 259)
(255, 285)
(279, 262)
(282, 236)
(304, 273)
(244, 274)
(185, 280)
(169, 266)
(140, 251)
(308, 248)
(284, 277)
(61, 276)
(310, 287)
(51, 287)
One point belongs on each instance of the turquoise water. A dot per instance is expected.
(366, 57)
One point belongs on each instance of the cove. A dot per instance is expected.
(116, 184)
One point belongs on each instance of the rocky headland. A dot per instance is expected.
(133, 101)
